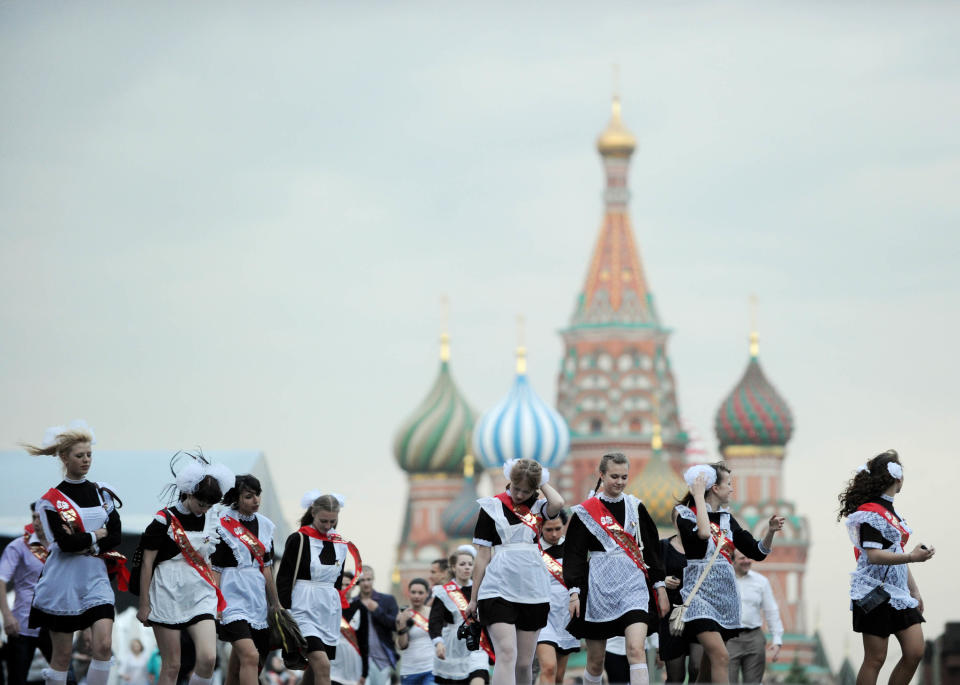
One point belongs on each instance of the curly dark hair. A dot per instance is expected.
(242, 483)
(867, 485)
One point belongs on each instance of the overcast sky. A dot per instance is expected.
(230, 225)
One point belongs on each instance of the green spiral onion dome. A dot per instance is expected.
(436, 436)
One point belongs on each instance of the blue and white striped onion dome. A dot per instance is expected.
(521, 426)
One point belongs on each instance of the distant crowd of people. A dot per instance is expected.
(540, 579)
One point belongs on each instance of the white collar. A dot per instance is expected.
(612, 500)
(74, 482)
(34, 539)
(557, 543)
(183, 509)
(244, 517)
(719, 510)
(887, 497)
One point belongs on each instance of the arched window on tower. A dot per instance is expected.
(596, 425)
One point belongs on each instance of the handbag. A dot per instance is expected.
(875, 597)
(676, 616)
(285, 634)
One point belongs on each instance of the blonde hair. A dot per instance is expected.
(62, 445)
(526, 472)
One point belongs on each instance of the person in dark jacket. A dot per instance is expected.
(382, 610)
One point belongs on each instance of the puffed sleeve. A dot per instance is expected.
(485, 532)
(748, 545)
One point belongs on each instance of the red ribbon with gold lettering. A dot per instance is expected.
(420, 621)
(720, 539)
(193, 557)
(598, 510)
(243, 534)
(889, 517)
(338, 539)
(554, 567)
(115, 562)
(522, 512)
(454, 593)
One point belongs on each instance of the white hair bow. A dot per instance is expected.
(863, 468)
(895, 470)
(468, 549)
(313, 495)
(691, 474)
(53, 432)
(189, 477)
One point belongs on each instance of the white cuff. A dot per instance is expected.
(482, 543)
(778, 640)
(437, 641)
(659, 583)
(572, 590)
(872, 545)
(764, 550)
(93, 539)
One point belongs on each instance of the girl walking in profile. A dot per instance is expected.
(879, 536)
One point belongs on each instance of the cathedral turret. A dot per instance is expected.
(615, 348)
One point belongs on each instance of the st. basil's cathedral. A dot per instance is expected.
(615, 392)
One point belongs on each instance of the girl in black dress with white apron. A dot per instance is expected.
(879, 536)
(81, 523)
(311, 589)
(243, 562)
(611, 557)
(178, 589)
(512, 591)
(454, 663)
(704, 523)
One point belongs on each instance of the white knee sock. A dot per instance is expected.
(52, 677)
(639, 674)
(99, 672)
(197, 680)
(588, 677)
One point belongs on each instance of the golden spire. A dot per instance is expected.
(616, 140)
(444, 336)
(468, 465)
(754, 336)
(521, 350)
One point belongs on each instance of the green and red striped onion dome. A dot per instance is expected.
(754, 413)
(436, 436)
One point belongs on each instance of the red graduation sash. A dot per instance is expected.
(243, 534)
(522, 512)
(598, 510)
(349, 634)
(38, 550)
(889, 517)
(459, 601)
(720, 539)
(192, 556)
(554, 567)
(420, 621)
(338, 539)
(115, 562)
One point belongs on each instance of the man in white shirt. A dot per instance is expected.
(748, 650)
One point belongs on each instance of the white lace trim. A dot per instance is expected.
(612, 500)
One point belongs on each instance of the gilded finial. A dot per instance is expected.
(445, 336)
(616, 140)
(754, 335)
(395, 576)
(521, 350)
(468, 465)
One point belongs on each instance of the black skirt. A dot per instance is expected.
(69, 624)
(528, 617)
(604, 630)
(884, 621)
(707, 625)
